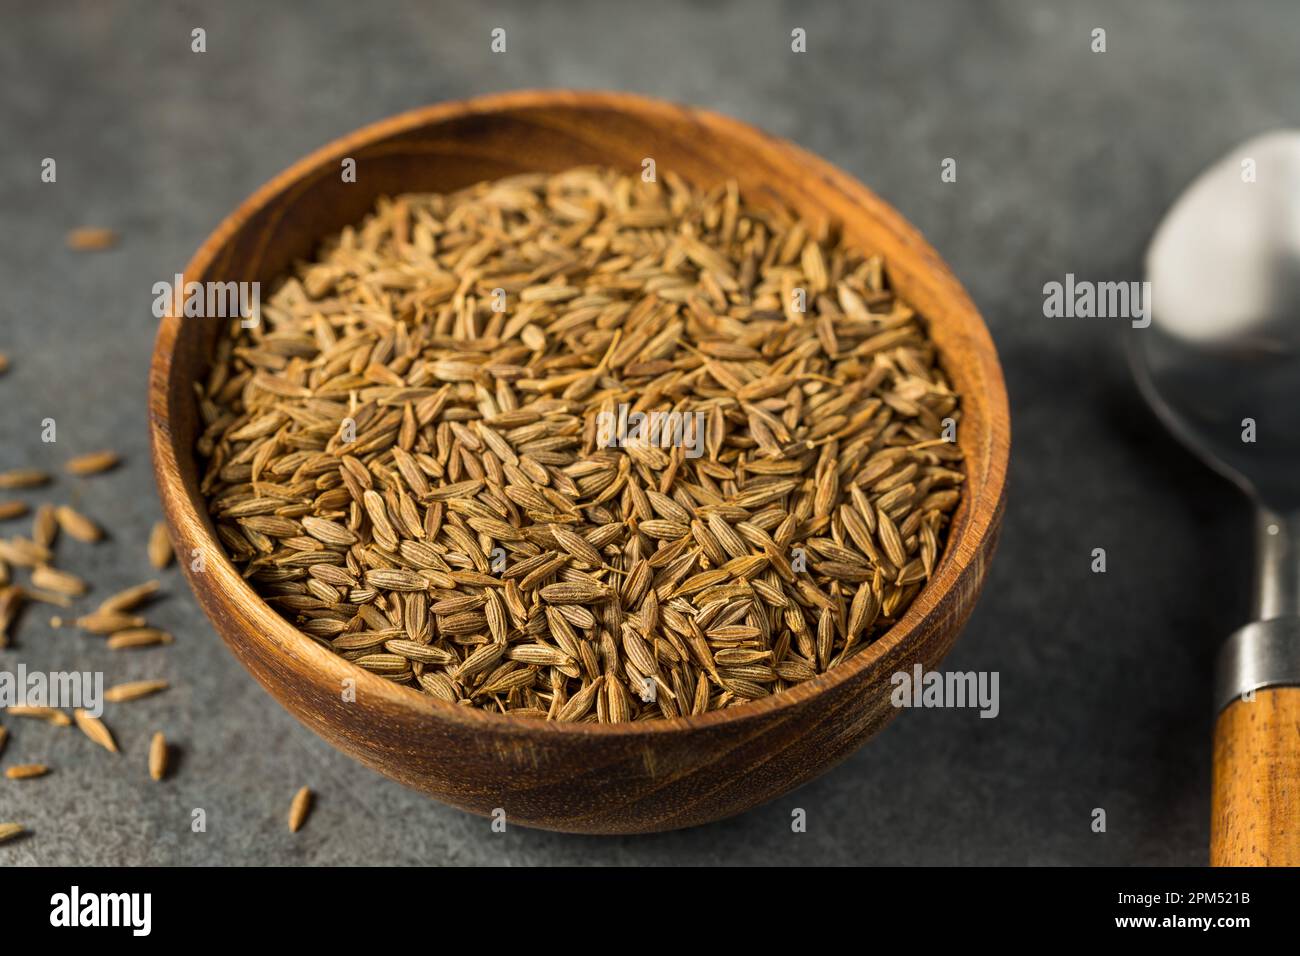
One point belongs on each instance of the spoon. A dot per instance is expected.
(1220, 365)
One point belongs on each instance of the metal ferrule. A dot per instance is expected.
(1262, 654)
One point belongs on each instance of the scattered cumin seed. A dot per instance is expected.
(10, 831)
(26, 771)
(299, 809)
(158, 756)
(46, 596)
(77, 525)
(91, 239)
(23, 478)
(44, 526)
(138, 637)
(109, 622)
(59, 582)
(4, 738)
(160, 546)
(23, 552)
(129, 598)
(134, 690)
(12, 509)
(92, 463)
(50, 715)
(11, 601)
(95, 729)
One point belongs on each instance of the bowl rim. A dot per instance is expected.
(327, 668)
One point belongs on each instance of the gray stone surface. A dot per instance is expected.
(1066, 160)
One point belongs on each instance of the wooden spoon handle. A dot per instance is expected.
(1255, 808)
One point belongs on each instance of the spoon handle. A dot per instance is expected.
(1255, 807)
(1277, 565)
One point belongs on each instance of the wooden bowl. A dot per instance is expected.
(585, 778)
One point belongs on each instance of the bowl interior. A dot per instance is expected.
(453, 145)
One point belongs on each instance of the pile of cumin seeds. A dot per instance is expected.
(404, 456)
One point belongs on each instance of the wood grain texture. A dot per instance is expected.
(1255, 808)
(591, 778)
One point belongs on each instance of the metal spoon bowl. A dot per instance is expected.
(1220, 361)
